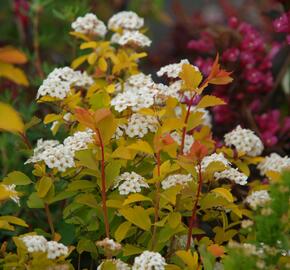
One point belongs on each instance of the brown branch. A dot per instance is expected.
(49, 219)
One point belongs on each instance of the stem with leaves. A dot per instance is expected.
(157, 202)
(49, 219)
(103, 185)
(194, 209)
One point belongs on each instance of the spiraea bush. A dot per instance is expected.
(138, 177)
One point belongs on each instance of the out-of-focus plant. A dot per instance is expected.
(138, 179)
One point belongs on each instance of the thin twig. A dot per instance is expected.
(49, 219)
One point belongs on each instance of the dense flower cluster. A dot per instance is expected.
(232, 174)
(176, 179)
(128, 20)
(37, 243)
(172, 70)
(273, 162)
(89, 25)
(130, 183)
(258, 198)
(61, 156)
(149, 260)
(134, 38)
(139, 125)
(244, 140)
(59, 82)
(282, 25)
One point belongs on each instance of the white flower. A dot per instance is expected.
(89, 25)
(35, 243)
(173, 70)
(188, 141)
(13, 195)
(214, 158)
(176, 179)
(131, 38)
(138, 92)
(109, 244)
(149, 260)
(67, 117)
(233, 175)
(55, 249)
(130, 183)
(59, 82)
(244, 140)
(139, 125)
(125, 20)
(79, 140)
(120, 265)
(246, 223)
(258, 198)
(274, 162)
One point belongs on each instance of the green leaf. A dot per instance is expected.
(62, 196)
(87, 199)
(224, 193)
(17, 178)
(112, 170)
(86, 158)
(14, 220)
(141, 146)
(129, 250)
(138, 216)
(174, 219)
(34, 201)
(44, 186)
(80, 185)
(86, 245)
(122, 231)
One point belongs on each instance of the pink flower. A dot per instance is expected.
(282, 24)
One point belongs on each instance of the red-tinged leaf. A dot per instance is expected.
(197, 151)
(101, 114)
(216, 250)
(12, 56)
(160, 141)
(85, 117)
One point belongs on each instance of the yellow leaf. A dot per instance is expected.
(102, 64)
(210, 101)
(78, 61)
(10, 119)
(13, 73)
(12, 56)
(44, 186)
(110, 88)
(138, 216)
(190, 260)
(195, 119)
(79, 35)
(51, 118)
(122, 231)
(141, 146)
(92, 58)
(224, 193)
(87, 45)
(190, 76)
(171, 124)
(136, 198)
(124, 153)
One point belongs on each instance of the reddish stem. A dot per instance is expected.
(157, 201)
(185, 125)
(194, 209)
(25, 140)
(103, 189)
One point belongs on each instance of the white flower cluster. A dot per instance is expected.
(232, 174)
(134, 38)
(127, 20)
(149, 260)
(37, 243)
(89, 25)
(273, 162)
(176, 179)
(130, 183)
(173, 70)
(129, 23)
(258, 198)
(214, 158)
(244, 140)
(61, 156)
(13, 195)
(188, 141)
(109, 244)
(138, 92)
(120, 265)
(139, 125)
(58, 83)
